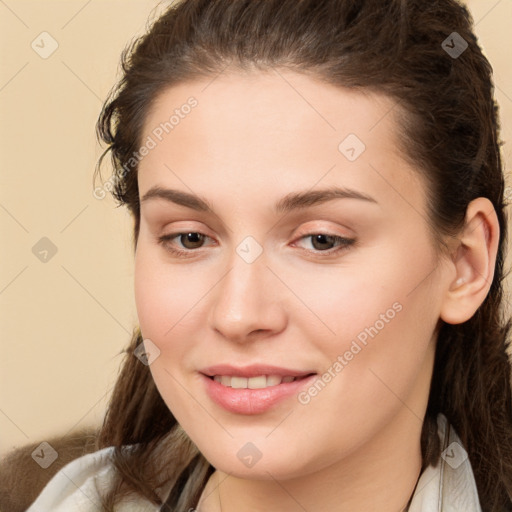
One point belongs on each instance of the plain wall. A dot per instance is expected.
(64, 322)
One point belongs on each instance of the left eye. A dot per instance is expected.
(195, 239)
(319, 240)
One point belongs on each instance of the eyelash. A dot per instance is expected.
(345, 244)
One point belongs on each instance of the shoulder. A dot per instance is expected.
(23, 473)
(77, 487)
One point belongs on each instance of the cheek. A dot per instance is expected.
(347, 303)
(169, 310)
(163, 293)
(148, 295)
(379, 317)
(161, 303)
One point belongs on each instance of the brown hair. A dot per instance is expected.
(449, 130)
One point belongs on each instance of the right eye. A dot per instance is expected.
(187, 237)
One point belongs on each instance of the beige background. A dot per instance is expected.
(64, 322)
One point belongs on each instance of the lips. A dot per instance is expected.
(252, 389)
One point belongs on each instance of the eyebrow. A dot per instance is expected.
(292, 201)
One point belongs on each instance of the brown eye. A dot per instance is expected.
(326, 243)
(189, 242)
(320, 241)
(194, 239)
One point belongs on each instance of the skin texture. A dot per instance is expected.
(252, 139)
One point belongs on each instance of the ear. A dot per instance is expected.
(473, 263)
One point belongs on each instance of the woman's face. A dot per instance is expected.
(264, 281)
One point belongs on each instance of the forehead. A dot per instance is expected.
(256, 103)
(279, 128)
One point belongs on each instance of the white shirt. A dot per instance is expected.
(449, 487)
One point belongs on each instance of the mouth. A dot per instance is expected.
(256, 382)
(253, 389)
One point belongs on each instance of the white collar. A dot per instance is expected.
(450, 486)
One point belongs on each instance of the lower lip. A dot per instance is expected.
(252, 401)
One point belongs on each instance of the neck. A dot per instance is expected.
(380, 475)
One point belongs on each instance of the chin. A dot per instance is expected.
(275, 465)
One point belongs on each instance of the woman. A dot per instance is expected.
(271, 371)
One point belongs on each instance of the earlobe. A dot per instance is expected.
(473, 263)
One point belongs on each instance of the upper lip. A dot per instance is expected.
(253, 370)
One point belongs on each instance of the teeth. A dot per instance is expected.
(259, 382)
(238, 382)
(273, 380)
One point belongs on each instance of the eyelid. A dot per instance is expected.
(323, 227)
(318, 228)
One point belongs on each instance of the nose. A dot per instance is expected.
(248, 302)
